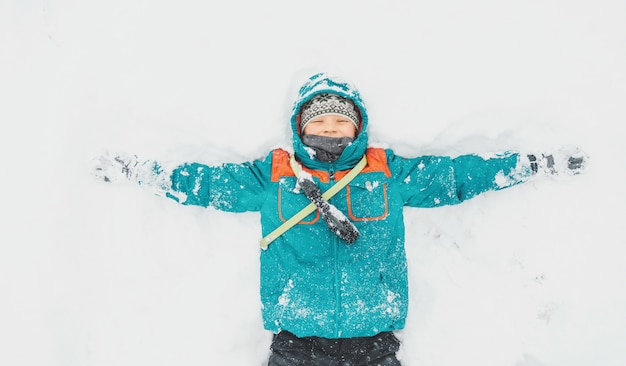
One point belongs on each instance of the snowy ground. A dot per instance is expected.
(95, 274)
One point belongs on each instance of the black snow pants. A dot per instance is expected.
(379, 350)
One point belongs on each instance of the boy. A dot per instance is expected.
(333, 278)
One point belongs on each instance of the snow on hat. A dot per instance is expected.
(327, 103)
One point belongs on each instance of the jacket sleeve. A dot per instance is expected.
(431, 181)
(227, 187)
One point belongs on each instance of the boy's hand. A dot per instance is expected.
(115, 168)
(565, 160)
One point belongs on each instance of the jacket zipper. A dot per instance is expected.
(337, 290)
(331, 178)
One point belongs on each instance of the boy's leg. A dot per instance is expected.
(379, 350)
(289, 350)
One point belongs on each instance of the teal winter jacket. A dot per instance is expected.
(313, 283)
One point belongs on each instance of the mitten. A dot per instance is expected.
(120, 168)
(337, 222)
(563, 161)
(116, 168)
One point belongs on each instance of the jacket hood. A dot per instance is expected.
(323, 83)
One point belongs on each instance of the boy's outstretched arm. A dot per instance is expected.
(431, 181)
(227, 187)
(475, 175)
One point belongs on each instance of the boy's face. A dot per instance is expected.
(330, 125)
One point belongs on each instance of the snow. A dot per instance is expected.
(96, 274)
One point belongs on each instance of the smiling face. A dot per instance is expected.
(330, 125)
(330, 115)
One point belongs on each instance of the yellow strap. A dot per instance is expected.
(311, 207)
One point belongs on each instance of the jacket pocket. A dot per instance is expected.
(367, 200)
(290, 202)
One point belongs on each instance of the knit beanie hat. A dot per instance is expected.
(327, 103)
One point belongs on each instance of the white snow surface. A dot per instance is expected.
(99, 274)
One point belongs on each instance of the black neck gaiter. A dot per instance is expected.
(327, 149)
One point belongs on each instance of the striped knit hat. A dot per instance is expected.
(327, 103)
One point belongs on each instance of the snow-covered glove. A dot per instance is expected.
(337, 222)
(116, 168)
(563, 161)
(120, 168)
